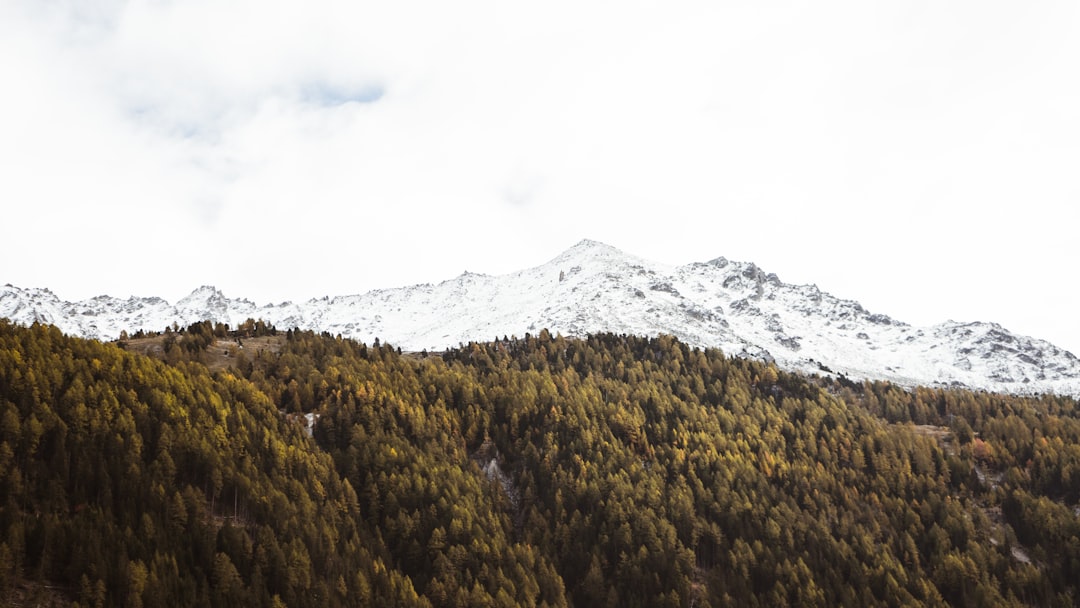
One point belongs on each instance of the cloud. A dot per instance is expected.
(324, 147)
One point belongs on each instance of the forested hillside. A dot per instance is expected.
(128, 482)
(611, 471)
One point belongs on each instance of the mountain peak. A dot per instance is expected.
(588, 250)
(591, 244)
(591, 247)
(203, 293)
(205, 290)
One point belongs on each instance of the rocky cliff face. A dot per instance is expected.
(592, 287)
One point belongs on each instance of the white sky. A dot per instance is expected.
(920, 157)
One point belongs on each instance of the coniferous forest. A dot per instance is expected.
(541, 471)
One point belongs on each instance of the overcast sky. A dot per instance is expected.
(922, 158)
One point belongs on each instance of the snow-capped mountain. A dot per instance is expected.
(593, 287)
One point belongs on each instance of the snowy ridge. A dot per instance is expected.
(593, 287)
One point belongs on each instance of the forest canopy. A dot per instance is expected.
(542, 471)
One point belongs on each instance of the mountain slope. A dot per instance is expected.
(128, 482)
(593, 287)
(544, 472)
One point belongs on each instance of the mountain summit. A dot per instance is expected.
(593, 287)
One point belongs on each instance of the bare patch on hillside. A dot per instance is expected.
(222, 353)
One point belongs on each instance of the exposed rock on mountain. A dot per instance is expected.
(593, 287)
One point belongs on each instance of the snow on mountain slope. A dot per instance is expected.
(593, 287)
